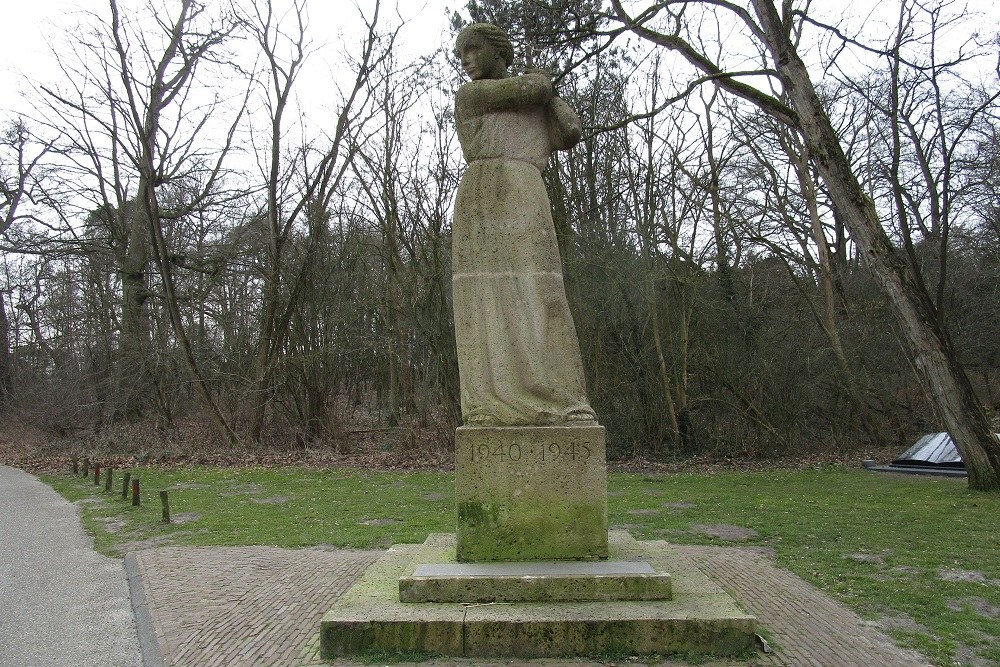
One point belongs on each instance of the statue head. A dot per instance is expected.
(485, 51)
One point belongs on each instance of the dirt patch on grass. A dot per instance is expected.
(112, 524)
(187, 486)
(274, 500)
(680, 505)
(976, 604)
(968, 656)
(903, 623)
(967, 576)
(184, 517)
(379, 522)
(725, 532)
(874, 559)
(624, 526)
(242, 490)
(766, 552)
(150, 543)
(644, 512)
(434, 497)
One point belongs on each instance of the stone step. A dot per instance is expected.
(558, 581)
(700, 619)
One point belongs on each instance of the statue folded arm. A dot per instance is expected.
(483, 96)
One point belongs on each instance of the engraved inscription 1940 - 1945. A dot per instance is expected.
(531, 493)
(537, 452)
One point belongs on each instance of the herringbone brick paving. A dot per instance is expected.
(810, 629)
(242, 606)
(261, 606)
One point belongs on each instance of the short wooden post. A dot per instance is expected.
(76, 466)
(86, 466)
(135, 493)
(166, 506)
(107, 478)
(97, 474)
(126, 477)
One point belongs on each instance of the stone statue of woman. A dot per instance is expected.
(518, 353)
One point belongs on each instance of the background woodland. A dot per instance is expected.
(187, 254)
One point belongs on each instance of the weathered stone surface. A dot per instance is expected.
(531, 493)
(544, 632)
(603, 568)
(577, 581)
(518, 353)
(701, 618)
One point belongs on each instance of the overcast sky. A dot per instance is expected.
(31, 26)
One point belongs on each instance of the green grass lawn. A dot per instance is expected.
(922, 552)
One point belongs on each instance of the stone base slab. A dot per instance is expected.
(578, 581)
(701, 618)
(531, 493)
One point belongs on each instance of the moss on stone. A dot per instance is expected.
(701, 619)
(531, 531)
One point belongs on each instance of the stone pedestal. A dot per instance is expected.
(699, 618)
(531, 493)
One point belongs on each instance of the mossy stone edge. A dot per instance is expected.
(701, 619)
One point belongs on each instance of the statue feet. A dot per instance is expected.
(581, 417)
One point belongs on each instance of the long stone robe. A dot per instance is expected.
(518, 353)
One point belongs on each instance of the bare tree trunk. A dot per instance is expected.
(666, 384)
(133, 373)
(6, 362)
(827, 314)
(943, 376)
(162, 90)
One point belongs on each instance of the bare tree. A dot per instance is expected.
(933, 117)
(299, 187)
(23, 188)
(131, 117)
(187, 45)
(800, 107)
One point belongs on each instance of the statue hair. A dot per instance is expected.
(497, 38)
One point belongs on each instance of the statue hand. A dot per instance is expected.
(544, 78)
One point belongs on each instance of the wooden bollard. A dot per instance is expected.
(135, 493)
(86, 466)
(76, 466)
(97, 474)
(126, 477)
(107, 478)
(166, 506)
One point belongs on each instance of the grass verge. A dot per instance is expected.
(920, 555)
(285, 507)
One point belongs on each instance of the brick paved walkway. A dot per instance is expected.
(261, 606)
(809, 628)
(239, 606)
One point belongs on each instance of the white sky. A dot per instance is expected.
(30, 27)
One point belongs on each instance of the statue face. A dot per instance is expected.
(480, 59)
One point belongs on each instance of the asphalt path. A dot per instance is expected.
(61, 603)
